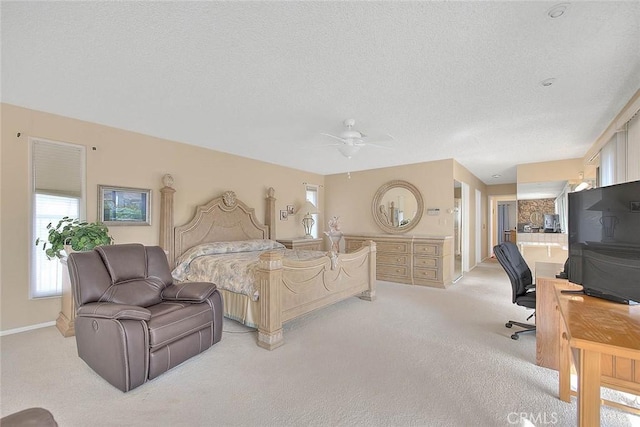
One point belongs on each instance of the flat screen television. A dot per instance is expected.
(604, 241)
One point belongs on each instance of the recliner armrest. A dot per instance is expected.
(109, 310)
(189, 291)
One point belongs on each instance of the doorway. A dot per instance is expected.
(457, 230)
(508, 217)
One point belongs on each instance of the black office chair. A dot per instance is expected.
(523, 288)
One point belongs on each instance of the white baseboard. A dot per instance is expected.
(27, 328)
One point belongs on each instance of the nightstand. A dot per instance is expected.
(302, 243)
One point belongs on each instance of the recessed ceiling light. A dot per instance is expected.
(547, 82)
(558, 10)
(496, 176)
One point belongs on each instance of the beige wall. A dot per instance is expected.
(351, 198)
(509, 190)
(126, 159)
(123, 158)
(461, 174)
(559, 170)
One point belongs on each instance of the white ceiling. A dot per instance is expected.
(263, 79)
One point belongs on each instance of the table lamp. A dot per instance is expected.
(307, 221)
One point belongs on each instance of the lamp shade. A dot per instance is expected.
(348, 150)
(308, 208)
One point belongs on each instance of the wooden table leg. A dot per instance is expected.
(588, 388)
(564, 370)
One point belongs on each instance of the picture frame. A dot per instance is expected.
(124, 205)
(634, 206)
(291, 209)
(284, 215)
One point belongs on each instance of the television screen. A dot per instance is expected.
(604, 241)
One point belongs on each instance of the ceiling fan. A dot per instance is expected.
(351, 140)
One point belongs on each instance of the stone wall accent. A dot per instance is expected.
(539, 206)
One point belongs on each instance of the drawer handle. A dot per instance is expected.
(399, 260)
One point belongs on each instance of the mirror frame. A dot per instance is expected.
(380, 195)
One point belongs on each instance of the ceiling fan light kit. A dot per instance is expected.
(348, 150)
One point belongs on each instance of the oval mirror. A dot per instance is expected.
(397, 207)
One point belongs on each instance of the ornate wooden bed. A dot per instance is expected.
(287, 288)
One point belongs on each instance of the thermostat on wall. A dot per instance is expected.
(433, 211)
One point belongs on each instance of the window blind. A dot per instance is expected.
(57, 168)
(633, 148)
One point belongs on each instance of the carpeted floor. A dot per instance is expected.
(416, 356)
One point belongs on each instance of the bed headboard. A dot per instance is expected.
(222, 219)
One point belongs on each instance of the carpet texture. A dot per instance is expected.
(416, 356)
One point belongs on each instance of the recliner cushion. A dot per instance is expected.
(158, 265)
(141, 292)
(124, 262)
(95, 277)
(175, 324)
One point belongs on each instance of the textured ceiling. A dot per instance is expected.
(263, 79)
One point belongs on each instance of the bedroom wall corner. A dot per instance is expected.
(127, 159)
(351, 198)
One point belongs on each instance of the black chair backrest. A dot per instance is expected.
(516, 267)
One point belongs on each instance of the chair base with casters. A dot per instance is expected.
(527, 327)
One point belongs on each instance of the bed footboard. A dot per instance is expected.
(289, 289)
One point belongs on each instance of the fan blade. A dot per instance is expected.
(380, 138)
(333, 136)
(373, 144)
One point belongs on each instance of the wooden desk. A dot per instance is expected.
(547, 314)
(604, 338)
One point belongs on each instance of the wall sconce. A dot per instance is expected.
(307, 221)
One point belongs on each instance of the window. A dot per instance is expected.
(620, 156)
(312, 196)
(57, 191)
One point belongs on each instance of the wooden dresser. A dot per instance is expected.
(414, 260)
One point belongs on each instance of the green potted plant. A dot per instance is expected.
(72, 234)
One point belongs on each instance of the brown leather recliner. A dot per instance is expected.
(132, 323)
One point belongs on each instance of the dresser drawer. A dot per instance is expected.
(392, 270)
(426, 249)
(425, 273)
(352, 245)
(425, 262)
(390, 259)
(393, 247)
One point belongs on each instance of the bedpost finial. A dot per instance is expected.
(167, 180)
(271, 192)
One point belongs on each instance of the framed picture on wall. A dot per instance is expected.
(124, 205)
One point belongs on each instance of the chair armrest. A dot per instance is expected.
(188, 291)
(109, 310)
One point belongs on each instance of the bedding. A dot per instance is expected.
(232, 266)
